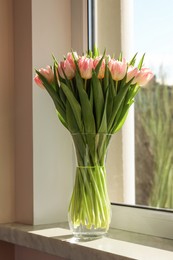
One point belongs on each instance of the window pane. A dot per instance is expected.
(154, 105)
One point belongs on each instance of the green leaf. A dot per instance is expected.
(99, 63)
(80, 147)
(62, 96)
(54, 95)
(98, 99)
(60, 109)
(55, 60)
(118, 99)
(111, 95)
(103, 126)
(118, 127)
(91, 96)
(122, 119)
(71, 120)
(123, 104)
(109, 107)
(120, 56)
(90, 53)
(55, 77)
(112, 86)
(96, 51)
(132, 92)
(74, 105)
(106, 79)
(133, 60)
(62, 119)
(87, 113)
(141, 62)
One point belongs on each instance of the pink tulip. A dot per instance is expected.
(38, 81)
(47, 73)
(102, 67)
(117, 68)
(71, 59)
(131, 73)
(144, 76)
(85, 67)
(67, 67)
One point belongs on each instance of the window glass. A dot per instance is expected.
(154, 105)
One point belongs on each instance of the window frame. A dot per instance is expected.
(134, 218)
(144, 220)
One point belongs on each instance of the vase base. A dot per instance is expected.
(83, 233)
(86, 236)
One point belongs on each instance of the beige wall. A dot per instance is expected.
(28, 114)
(108, 26)
(6, 112)
(52, 147)
(23, 47)
(79, 39)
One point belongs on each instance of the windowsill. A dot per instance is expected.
(57, 240)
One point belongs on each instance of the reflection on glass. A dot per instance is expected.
(154, 105)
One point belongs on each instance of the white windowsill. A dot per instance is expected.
(57, 240)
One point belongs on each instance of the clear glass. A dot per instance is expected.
(154, 106)
(89, 209)
(154, 139)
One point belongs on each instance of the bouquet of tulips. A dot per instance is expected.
(92, 95)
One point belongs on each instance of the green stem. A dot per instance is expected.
(85, 84)
(90, 205)
(116, 86)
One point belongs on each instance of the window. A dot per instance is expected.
(154, 107)
(115, 31)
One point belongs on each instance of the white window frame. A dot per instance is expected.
(150, 221)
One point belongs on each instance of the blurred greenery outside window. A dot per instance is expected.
(154, 107)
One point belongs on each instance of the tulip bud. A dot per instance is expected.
(102, 67)
(38, 81)
(67, 67)
(85, 67)
(131, 73)
(47, 73)
(144, 76)
(70, 57)
(117, 68)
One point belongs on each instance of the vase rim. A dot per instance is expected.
(79, 133)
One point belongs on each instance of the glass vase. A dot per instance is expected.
(89, 209)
